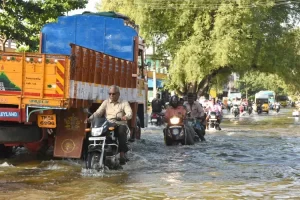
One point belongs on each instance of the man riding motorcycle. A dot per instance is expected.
(177, 110)
(196, 112)
(157, 105)
(214, 107)
(110, 108)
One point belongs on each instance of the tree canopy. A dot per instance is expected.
(22, 20)
(209, 39)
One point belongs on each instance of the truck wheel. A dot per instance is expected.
(5, 152)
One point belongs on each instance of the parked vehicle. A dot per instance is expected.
(43, 94)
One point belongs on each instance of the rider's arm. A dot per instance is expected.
(100, 111)
(167, 114)
(127, 110)
(200, 111)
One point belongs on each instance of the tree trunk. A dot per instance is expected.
(204, 84)
(3, 40)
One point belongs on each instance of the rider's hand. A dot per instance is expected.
(124, 118)
(86, 120)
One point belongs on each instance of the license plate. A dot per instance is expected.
(97, 138)
(153, 120)
(213, 117)
(175, 131)
(47, 121)
(190, 123)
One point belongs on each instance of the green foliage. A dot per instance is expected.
(7, 83)
(207, 39)
(22, 48)
(21, 20)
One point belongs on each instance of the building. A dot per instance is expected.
(10, 46)
(156, 75)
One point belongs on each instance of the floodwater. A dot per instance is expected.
(252, 157)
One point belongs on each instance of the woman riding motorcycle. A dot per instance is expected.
(214, 107)
(175, 109)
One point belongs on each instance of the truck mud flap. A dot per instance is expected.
(70, 133)
(20, 134)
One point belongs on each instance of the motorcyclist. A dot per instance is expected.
(175, 109)
(111, 108)
(277, 106)
(157, 105)
(196, 112)
(214, 107)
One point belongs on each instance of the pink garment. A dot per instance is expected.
(215, 108)
(179, 112)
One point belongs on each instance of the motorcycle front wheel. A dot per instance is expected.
(168, 140)
(93, 161)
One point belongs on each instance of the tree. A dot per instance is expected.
(21, 20)
(209, 39)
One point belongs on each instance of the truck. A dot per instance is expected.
(43, 95)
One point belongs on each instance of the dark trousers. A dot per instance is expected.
(121, 134)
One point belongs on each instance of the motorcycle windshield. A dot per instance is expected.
(98, 122)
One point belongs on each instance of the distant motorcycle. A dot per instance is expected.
(250, 110)
(213, 121)
(277, 107)
(259, 109)
(235, 110)
(156, 118)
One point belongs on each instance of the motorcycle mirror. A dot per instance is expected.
(86, 110)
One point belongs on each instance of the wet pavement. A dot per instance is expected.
(252, 157)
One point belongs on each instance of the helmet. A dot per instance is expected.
(174, 102)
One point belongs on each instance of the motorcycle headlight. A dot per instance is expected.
(97, 131)
(175, 120)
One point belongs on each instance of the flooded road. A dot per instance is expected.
(252, 157)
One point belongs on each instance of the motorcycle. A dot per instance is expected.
(235, 110)
(175, 132)
(156, 118)
(259, 109)
(277, 108)
(198, 127)
(249, 110)
(103, 147)
(213, 121)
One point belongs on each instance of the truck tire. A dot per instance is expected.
(5, 152)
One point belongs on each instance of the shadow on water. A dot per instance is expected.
(254, 156)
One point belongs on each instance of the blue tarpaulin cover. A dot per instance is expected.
(103, 32)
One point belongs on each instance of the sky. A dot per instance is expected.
(91, 6)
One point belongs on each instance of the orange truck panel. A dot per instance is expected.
(58, 81)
